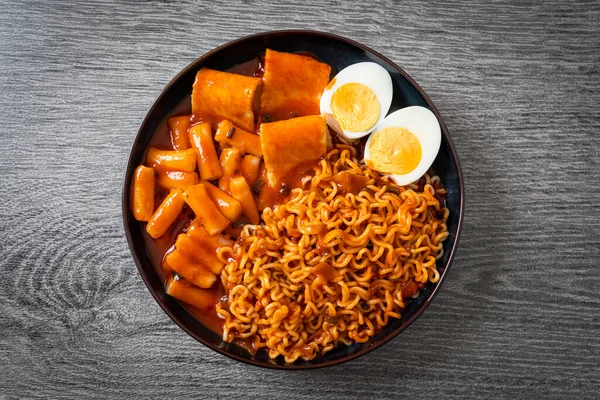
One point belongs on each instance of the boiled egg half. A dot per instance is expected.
(404, 144)
(357, 99)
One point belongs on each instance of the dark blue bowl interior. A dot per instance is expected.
(339, 53)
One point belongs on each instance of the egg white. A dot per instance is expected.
(370, 74)
(426, 128)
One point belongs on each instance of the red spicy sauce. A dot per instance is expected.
(267, 196)
(158, 248)
(254, 67)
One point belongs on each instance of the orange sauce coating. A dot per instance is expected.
(172, 137)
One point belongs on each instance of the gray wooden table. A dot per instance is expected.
(519, 87)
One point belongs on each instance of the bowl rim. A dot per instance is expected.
(365, 350)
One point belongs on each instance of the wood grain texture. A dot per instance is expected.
(518, 84)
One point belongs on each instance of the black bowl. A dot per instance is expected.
(339, 53)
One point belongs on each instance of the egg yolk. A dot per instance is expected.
(355, 107)
(394, 151)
